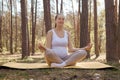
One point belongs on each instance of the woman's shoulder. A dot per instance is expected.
(67, 32)
(50, 32)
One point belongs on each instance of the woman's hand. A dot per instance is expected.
(41, 47)
(88, 47)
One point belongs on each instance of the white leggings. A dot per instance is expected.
(71, 59)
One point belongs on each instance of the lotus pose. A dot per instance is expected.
(58, 44)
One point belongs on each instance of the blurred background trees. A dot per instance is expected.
(23, 23)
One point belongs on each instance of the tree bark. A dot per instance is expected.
(47, 15)
(1, 26)
(16, 29)
(75, 29)
(78, 25)
(115, 11)
(34, 27)
(27, 31)
(57, 7)
(61, 7)
(89, 27)
(84, 25)
(24, 29)
(11, 31)
(111, 54)
(95, 29)
(118, 34)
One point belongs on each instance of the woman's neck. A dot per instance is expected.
(59, 28)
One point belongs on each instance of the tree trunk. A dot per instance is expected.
(78, 25)
(1, 26)
(35, 20)
(61, 7)
(34, 27)
(57, 6)
(27, 31)
(28, 40)
(7, 19)
(47, 15)
(11, 31)
(89, 27)
(16, 29)
(32, 23)
(24, 29)
(111, 54)
(75, 29)
(118, 34)
(0, 31)
(84, 25)
(115, 11)
(95, 29)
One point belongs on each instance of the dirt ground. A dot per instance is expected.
(55, 74)
(59, 74)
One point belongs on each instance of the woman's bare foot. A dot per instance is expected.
(88, 47)
(42, 47)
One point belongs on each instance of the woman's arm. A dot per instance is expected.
(72, 49)
(70, 46)
(49, 40)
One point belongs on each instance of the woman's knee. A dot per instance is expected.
(49, 53)
(83, 52)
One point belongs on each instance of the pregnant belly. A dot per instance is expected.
(60, 51)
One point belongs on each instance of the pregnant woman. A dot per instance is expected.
(58, 44)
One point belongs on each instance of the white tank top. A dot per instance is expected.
(59, 45)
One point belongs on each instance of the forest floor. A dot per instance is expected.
(55, 74)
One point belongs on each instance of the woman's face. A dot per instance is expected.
(60, 20)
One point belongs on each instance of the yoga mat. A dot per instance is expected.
(81, 65)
